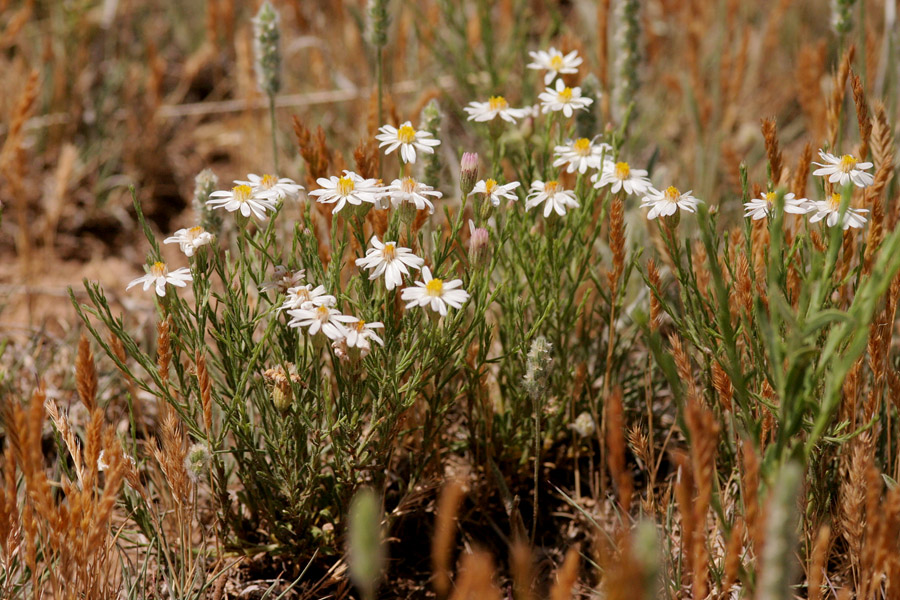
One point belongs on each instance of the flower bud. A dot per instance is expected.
(468, 172)
(479, 244)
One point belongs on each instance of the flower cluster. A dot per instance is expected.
(844, 170)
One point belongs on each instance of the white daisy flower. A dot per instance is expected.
(435, 292)
(830, 210)
(844, 169)
(494, 192)
(320, 318)
(407, 139)
(357, 335)
(349, 189)
(553, 195)
(359, 332)
(159, 276)
(190, 239)
(554, 62)
(564, 99)
(496, 106)
(762, 207)
(307, 296)
(581, 154)
(665, 203)
(242, 198)
(389, 260)
(621, 176)
(283, 279)
(409, 191)
(272, 186)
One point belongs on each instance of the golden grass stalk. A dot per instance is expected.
(833, 110)
(566, 576)
(475, 580)
(86, 374)
(773, 152)
(444, 533)
(818, 562)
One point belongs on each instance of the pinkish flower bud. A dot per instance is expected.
(479, 244)
(468, 172)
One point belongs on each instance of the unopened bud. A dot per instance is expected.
(468, 172)
(479, 244)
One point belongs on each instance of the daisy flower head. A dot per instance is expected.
(158, 275)
(359, 332)
(554, 62)
(830, 210)
(563, 98)
(494, 192)
(356, 341)
(190, 239)
(496, 106)
(553, 195)
(437, 293)
(620, 176)
(390, 260)
(272, 186)
(665, 203)
(307, 296)
(581, 154)
(322, 318)
(351, 189)
(242, 198)
(408, 191)
(762, 207)
(407, 139)
(844, 169)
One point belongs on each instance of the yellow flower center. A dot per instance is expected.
(672, 194)
(158, 269)
(566, 94)
(435, 287)
(194, 232)
(406, 134)
(551, 187)
(835, 201)
(582, 146)
(242, 193)
(360, 325)
(303, 294)
(408, 185)
(622, 170)
(345, 186)
(556, 63)
(268, 181)
(322, 312)
(390, 251)
(489, 186)
(847, 163)
(497, 103)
